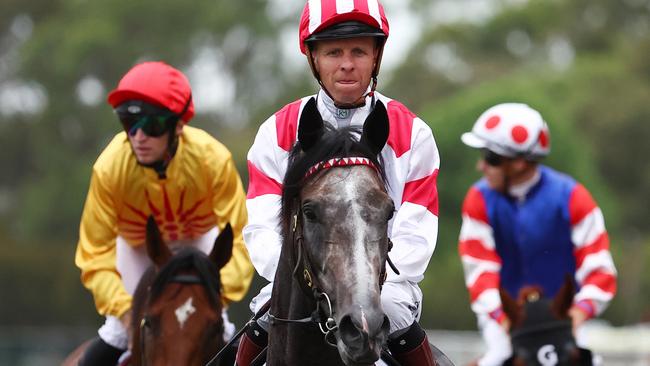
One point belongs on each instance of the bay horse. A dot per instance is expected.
(325, 305)
(541, 330)
(177, 306)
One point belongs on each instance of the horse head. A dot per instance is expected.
(541, 330)
(335, 214)
(177, 308)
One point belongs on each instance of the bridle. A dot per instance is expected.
(145, 323)
(303, 272)
(559, 333)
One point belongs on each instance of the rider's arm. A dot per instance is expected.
(265, 173)
(96, 251)
(481, 262)
(229, 203)
(414, 228)
(595, 271)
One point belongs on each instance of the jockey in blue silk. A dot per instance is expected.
(343, 42)
(157, 166)
(527, 224)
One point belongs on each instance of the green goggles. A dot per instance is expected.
(154, 121)
(151, 125)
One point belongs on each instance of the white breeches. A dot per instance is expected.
(401, 301)
(131, 263)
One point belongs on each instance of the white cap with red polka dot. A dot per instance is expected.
(512, 130)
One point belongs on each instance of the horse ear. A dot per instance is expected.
(156, 247)
(509, 306)
(222, 249)
(564, 298)
(376, 128)
(310, 127)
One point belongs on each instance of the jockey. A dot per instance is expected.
(527, 224)
(343, 42)
(157, 166)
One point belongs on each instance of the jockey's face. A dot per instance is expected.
(345, 66)
(508, 172)
(148, 149)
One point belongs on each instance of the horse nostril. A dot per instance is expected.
(350, 332)
(385, 326)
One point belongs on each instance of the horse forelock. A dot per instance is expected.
(335, 143)
(189, 259)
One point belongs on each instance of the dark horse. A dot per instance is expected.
(325, 307)
(541, 332)
(177, 308)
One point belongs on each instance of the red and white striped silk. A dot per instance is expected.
(478, 254)
(595, 271)
(411, 162)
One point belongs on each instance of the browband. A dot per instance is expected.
(339, 162)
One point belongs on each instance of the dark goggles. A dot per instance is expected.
(152, 120)
(492, 159)
(151, 125)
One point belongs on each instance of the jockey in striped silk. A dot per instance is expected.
(527, 224)
(343, 41)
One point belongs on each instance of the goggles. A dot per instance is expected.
(492, 159)
(151, 125)
(152, 120)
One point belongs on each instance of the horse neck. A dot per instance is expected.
(289, 301)
(140, 298)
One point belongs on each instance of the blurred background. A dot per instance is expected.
(584, 64)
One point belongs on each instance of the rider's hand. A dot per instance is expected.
(578, 317)
(505, 324)
(125, 319)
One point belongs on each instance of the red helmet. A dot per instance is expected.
(156, 83)
(319, 15)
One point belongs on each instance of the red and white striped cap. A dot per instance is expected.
(321, 14)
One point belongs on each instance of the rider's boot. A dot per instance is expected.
(100, 353)
(251, 344)
(411, 347)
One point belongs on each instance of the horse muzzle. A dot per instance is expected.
(362, 337)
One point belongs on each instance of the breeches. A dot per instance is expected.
(401, 301)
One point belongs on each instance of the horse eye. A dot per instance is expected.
(391, 212)
(309, 214)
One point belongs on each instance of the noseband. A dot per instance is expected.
(307, 281)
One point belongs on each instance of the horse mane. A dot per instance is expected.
(334, 143)
(187, 259)
(530, 293)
